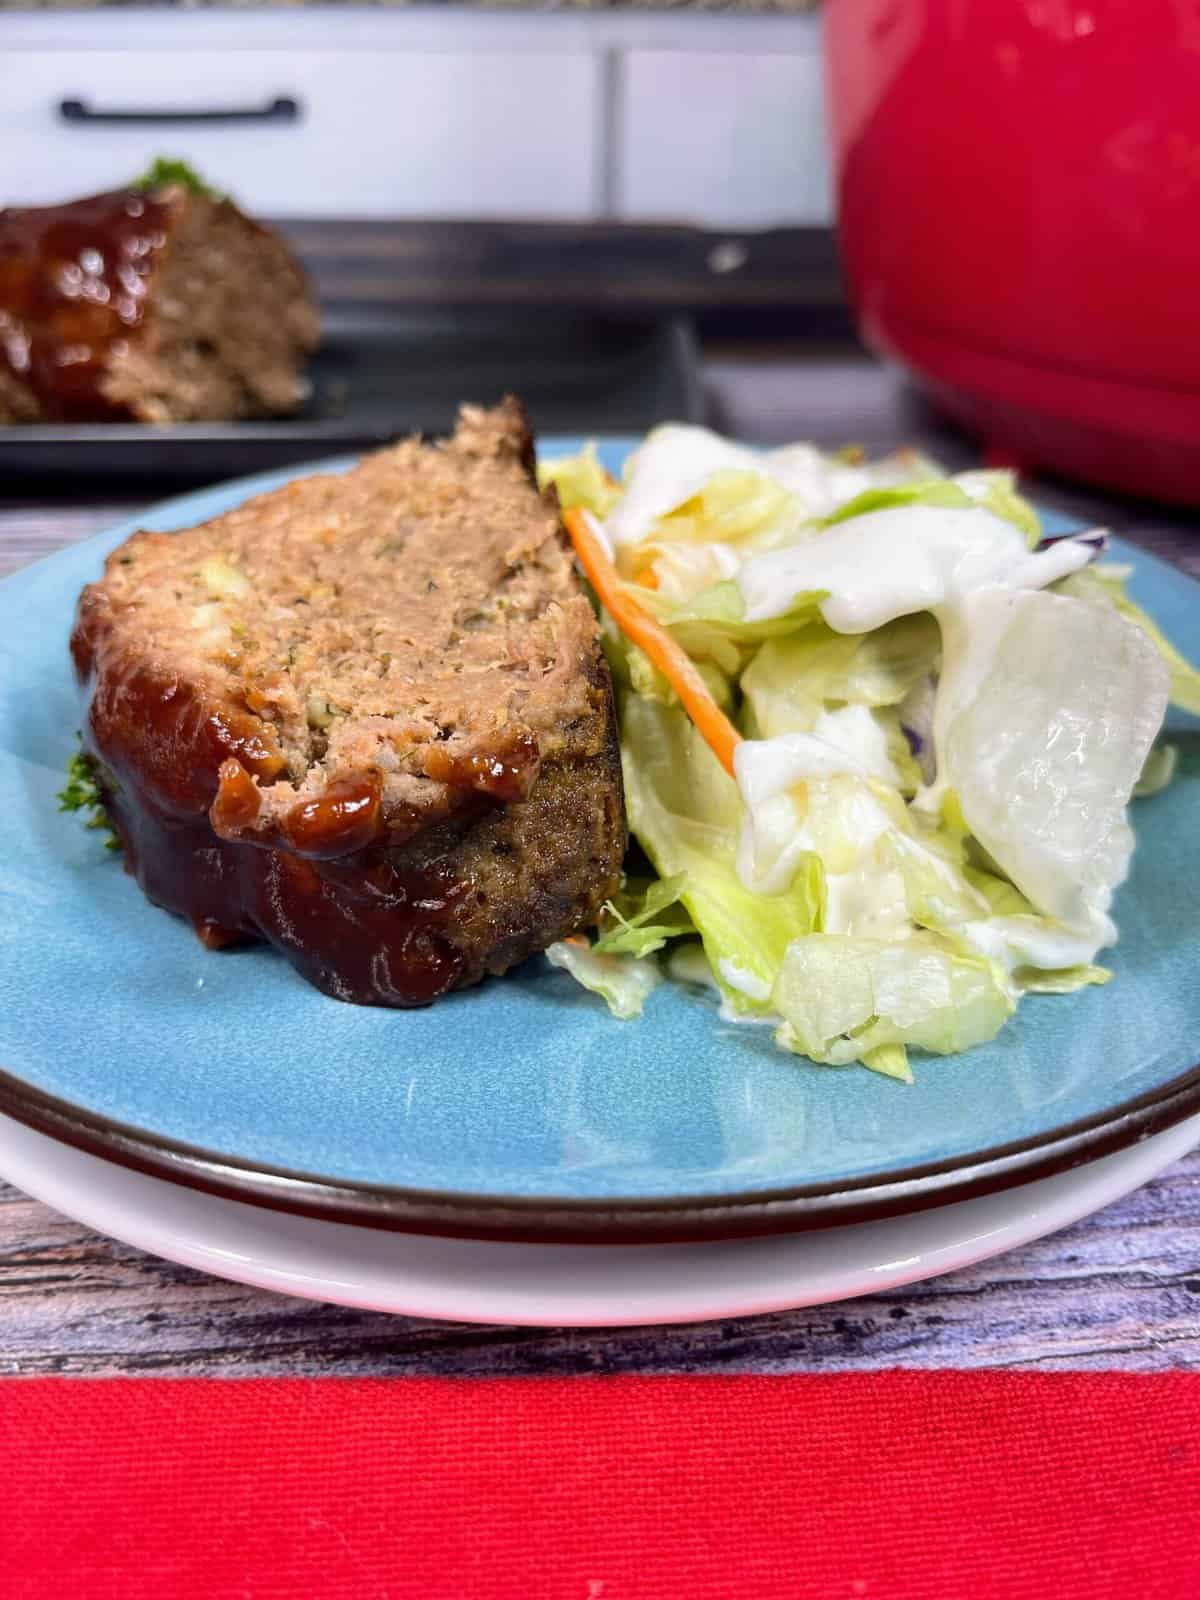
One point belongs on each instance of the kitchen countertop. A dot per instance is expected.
(1120, 1289)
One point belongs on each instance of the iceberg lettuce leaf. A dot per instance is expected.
(686, 813)
(580, 480)
(843, 998)
(1049, 732)
(791, 679)
(1105, 586)
(623, 982)
(996, 491)
(641, 920)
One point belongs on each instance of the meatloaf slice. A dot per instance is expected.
(365, 717)
(149, 306)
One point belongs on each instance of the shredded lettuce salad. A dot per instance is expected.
(942, 719)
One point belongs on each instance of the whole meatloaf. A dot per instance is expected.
(365, 717)
(155, 305)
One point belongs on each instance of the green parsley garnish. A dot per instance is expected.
(166, 170)
(82, 793)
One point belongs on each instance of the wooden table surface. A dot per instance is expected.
(1120, 1289)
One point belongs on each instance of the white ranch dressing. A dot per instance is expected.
(777, 833)
(888, 564)
(745, 982)
(1013, 942)
(870, 901)
(689, 964)
(677, 460)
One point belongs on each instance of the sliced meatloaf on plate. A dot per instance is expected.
(365, 717)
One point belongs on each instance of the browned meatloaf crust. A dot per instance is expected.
(365, 717)
(149, 307)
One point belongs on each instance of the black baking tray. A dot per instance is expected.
(384, 373)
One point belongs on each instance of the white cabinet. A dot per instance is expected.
(725, 138)
(399, 133)
(716, 120)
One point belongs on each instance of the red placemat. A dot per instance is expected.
(886, 1486)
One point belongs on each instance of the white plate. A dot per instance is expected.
(464, 1280)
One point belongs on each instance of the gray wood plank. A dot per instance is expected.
(1120, 1289)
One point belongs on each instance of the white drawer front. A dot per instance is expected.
(397, 133)
(726, 139)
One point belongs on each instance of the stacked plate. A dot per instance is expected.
(514, 1154)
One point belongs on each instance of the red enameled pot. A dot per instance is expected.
(1019, 211)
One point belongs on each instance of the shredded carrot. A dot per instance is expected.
(670, 658)
(648, 578)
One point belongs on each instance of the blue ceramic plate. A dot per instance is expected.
(520, 1108)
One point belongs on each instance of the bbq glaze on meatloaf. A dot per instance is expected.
(365, 717)
(149, 306)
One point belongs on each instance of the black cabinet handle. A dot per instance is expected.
(284, 108)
